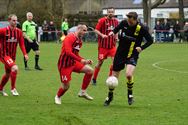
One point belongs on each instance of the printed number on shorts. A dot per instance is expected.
(64, 78)
(9, 60)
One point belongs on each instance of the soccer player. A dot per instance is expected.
(29, 33)
(70, 61)
(130, 45)
(10, 36)
(106, 44)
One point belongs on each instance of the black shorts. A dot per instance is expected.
(28, 46)
(120, 62)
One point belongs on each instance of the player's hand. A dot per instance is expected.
(26, 57)
(111, 33)
(139, 49)
(104, 36)
(89, 61)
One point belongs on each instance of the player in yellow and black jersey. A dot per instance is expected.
(130, 45)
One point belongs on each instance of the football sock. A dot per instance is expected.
(86, 81)
(96, 72)
(130, 85)
(25, 62)
(36, 60)
(111, 68)
(13, 79)
(4, 80)
(61, 92)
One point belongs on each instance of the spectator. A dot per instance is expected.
(65, 26)
(185, 28)
(166, 28)
(45, 30)
(53, 30)
(177, 29)
(158, 29)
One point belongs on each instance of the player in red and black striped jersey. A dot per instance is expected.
(106, 44)
(10, 36)
(70, 61)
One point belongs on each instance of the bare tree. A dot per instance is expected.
(148, 5)
(181, 13)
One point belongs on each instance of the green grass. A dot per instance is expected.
(161, 97)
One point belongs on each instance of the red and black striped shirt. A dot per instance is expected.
(70, 51)
(9, 39)
(105, 26)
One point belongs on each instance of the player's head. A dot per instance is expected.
(132, 18)
(12, 18)
(81, 29)
(29, 16)
(110, 12)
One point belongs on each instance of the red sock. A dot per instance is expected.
(4, 80)
(61, 92)
(86, 81)
(111, 68)
(13, 79)
(96, 72)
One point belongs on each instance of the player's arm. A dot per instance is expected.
(149, 40)
(117, 29)
(22, 46)
(68, 42)
(24, 29)
(98, 29)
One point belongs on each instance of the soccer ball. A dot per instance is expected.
(112, 82)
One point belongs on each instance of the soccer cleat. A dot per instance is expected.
(85, 95)
(94, 81)
(108, 99)
(130, 98)
(38, 68)
(57, 100)
(14, 92)
(3, 93)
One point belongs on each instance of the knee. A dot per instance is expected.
(129, 76)
(90, 71)
(37, 52)
(14, 68)
(99, 64)
(65, 86)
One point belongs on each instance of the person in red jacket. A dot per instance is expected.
(10, 36)
(70, 61)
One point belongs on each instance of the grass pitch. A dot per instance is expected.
(161, 94)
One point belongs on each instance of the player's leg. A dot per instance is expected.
(13, 76)
(129, 75)
(96, 71)
(28, 48)
(102, 55)
(65, 76)
(4, 80)
(118, 65)
(79, 67)
(111, 53)
(110, 96)
(35, 48)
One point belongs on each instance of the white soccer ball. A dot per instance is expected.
(112, 82)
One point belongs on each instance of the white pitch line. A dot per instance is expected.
(156, 65)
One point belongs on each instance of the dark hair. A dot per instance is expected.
(110, 8)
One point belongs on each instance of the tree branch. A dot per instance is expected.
(157, 3)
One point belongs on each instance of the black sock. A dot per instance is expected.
(25, 62)
(36, 60)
